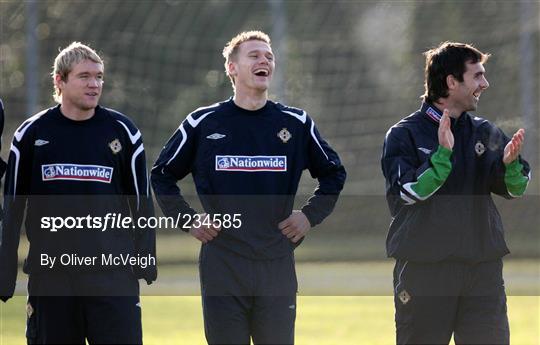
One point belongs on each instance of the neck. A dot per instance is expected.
(254, 100)
(444, 103)
(76, 114)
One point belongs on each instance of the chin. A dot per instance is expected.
(88, 106)
(261, 88)
(471, 107)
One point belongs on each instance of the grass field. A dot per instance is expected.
(325, 320)
(339, 303)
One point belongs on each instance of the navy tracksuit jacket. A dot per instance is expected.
(249, 163)
(60, 167)
(441, 201)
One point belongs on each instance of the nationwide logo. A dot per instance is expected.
(251, 163)
(76, 172)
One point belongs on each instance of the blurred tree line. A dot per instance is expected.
(355, 66)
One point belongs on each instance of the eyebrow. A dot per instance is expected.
(87, 72)
(260, 51)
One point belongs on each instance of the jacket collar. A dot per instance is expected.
(431, 112)
(434, 114)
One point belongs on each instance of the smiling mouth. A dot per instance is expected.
(93, 94)
(476, 95)
(261, 72)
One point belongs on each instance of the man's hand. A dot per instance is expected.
(446, 138)
(295, 226)
(203, 233)
(512, 149)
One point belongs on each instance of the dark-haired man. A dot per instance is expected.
(441, 166)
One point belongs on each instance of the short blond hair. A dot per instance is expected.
(67, 58)
(231, 48)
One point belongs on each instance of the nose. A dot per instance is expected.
(265, 59)
(94, 82)
(484, 84)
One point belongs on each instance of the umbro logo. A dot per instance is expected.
(426, 151)
(40, 142)
(216, 136)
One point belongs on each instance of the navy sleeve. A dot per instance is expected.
(2, 163)
(174, 163)
(1, 117)
(407, 180)
(140, 202)
(15, 198)
(324, 165)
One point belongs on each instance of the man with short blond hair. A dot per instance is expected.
(78, 160)
(230, 51)
(64, 61)
(246, 156)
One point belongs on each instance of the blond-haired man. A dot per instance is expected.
(78, 162)
(246, 156)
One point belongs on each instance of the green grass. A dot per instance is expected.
(340, 303)
(320, 321)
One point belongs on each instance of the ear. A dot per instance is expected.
(58, 81)
(451, 82)
(231, 68)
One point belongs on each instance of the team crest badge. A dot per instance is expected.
(284, 135)
(29, 310)
(115, 146)
(479, 148)
(404, 297)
